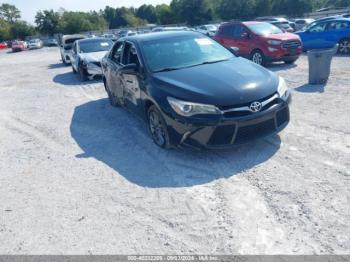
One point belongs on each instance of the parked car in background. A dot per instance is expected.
(112, 37)
(168, 28)
(124, 33)
(285, 26)
(66, 46)
(260, 41)
(18, 46)
(300, 23)
(3, 45)
(163, 77)
(87, 54)
(326, 34)
(35, 44)
(208, 30)
(50, 42)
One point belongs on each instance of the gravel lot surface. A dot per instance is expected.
(80, 177)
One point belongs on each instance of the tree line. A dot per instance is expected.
(190, 12)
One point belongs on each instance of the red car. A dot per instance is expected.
(260, 41)
(18, 46)
(3, 45)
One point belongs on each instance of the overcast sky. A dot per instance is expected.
(29, 8)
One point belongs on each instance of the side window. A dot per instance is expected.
(116, 53)
(318, 28)
(130, 55)
(336, 25)
(228, 30)
(240, 31)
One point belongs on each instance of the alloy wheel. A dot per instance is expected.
(344, 47)
(157, 128)
(257, 58)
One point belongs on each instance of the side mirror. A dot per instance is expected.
(245, 35)
(130, 69)
(234, 50)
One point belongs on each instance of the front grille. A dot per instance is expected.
(247, 112)
(282, 116)
(247, 133)
(245, 104)
(222, 135)
(291, 44)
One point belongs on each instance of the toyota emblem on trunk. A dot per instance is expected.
(255, 107)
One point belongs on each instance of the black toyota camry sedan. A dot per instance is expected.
(194, 92)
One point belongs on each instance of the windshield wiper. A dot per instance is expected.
(166, 69)
(213, 62)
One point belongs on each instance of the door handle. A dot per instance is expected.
(130, 81)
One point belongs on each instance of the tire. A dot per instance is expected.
(290, 62)
(344, 46)
(83, 74)
(113, 101)
(157, 127)
(258, 57)
(63, 60)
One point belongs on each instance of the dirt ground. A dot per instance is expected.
(80, 177)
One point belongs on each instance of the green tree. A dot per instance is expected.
(147, 12)
(77, 22)
(193, 12)
(21, 29)
(5, 30)
(164, 14)
(47, 22)
(9, 12)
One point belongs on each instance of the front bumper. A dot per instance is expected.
(283, 54)
(229, 131)
(93, 69)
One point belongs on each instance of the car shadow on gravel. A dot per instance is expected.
(119, 139)
(55, 66)
(275, 67)
(70, 79)
(311, 88)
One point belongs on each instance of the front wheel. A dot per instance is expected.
(344, 47)
(82, 74)
(258, 57)
(158, 127)
(112, 98)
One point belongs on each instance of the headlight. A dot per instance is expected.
(189, 109)
(283, 90)
(274, 42)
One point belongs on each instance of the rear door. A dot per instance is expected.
(227, 36)
(74, 56)
(337, 30)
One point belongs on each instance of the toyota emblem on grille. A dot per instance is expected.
(255, 107)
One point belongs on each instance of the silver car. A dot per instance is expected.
(86, 56)
(66, 46)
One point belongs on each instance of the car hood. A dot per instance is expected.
(229, 83)
(92, 57)
(284, 37)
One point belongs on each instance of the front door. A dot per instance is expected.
(131, 82)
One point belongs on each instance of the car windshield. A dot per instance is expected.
(180, 52)
(264, 29)
(95, 46)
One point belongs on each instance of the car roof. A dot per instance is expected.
(66, 37)
(159, 35)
